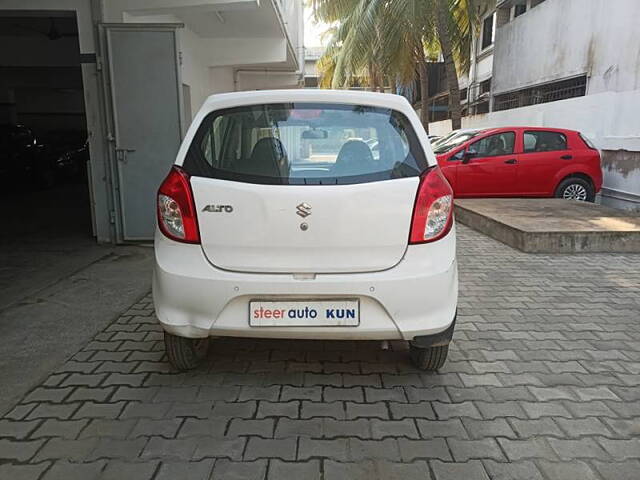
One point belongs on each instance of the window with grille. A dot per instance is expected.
(544, 93)
(485, 87)
(482, 107)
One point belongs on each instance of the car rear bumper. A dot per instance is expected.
(417, 297)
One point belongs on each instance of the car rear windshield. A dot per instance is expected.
(305, 144)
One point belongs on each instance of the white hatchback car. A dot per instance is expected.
(306, 214)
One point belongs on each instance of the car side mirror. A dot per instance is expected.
(468, 155)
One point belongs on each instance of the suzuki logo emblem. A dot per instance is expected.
(303, 209)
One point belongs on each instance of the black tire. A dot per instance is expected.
(576, 188)
(429, 359)
(185, 353)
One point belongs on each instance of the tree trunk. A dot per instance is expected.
(424, 90)
(373, 78)
(446, 45)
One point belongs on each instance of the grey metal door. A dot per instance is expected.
(144, 89)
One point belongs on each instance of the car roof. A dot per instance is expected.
(520, 127)
(355, 97)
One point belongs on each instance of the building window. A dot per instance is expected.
(503, 16)
(310, 82)
(463, 94)
(482, 107)
(485, 87)
(439, 108)
(544, 93)
(519, 10)
(487, 32)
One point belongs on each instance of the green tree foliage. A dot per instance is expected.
(391, 41)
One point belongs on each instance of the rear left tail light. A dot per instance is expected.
(176, 209)
(433, 210)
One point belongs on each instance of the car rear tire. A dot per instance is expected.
(576, 188)
(185, 353)
(429, 359)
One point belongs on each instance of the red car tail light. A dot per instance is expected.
(176, 209)
(433, 210)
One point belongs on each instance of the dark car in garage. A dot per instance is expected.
(23, 157)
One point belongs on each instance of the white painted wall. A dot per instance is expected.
(217, 64)
(265, 80)
(221, 80)
(561, 38)
(195, 71)
(484, 67)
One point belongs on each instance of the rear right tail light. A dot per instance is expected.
(433, 210)
(176, 209)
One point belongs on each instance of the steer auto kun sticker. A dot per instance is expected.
(304, 313)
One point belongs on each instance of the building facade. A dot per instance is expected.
(135, 73)
(568, 64)
(311, 74)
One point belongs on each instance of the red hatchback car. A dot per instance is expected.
(521, 162)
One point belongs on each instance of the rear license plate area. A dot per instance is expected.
(305, 313)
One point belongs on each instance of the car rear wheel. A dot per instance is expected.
(576, 188)
(185, 353)
(429, 359)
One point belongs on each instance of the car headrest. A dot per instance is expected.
(268, 159)
(354, 158)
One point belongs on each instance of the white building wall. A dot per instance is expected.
(221, 79)
(484, 67)
(561, 38)
(217, 64)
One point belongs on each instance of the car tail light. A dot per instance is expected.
(176, 208)
(433, 210)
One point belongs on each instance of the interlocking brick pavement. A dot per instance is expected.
(541, 383)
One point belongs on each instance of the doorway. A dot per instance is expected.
(44, 156)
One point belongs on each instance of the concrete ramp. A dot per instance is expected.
(551, 225)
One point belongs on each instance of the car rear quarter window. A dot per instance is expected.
(541, 141)
(305, 144)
